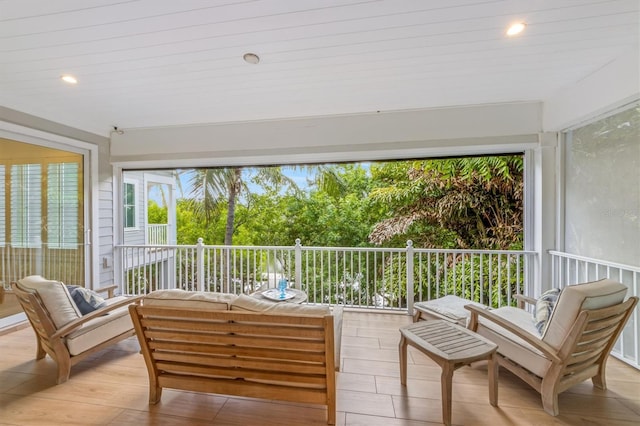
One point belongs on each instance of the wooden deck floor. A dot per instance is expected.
(111, 389)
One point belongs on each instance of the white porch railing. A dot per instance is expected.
(568, 269)
(157, 234)
(375, 278)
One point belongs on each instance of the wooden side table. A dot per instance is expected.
(451, 347)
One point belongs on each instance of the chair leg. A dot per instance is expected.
(402, 349)
(331, 411)
(155, 394)
(600, 379)
(64, 370)
(417, 315)
(40, 352)
(549, 398)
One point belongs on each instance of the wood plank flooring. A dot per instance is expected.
(110, 388)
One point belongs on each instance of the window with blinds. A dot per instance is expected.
(27, 227)
(26, 205)
(62, 205)
(3, 220)
(41, 213)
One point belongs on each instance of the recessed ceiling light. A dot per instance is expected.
(67, 78)
(251, 58)
(516, 28)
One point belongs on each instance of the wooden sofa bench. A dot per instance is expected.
(251, 348)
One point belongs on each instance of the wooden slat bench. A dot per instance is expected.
(288, 357)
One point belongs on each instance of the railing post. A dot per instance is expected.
(410, 294)
(200, 263)
(119, 269)
(298, 264)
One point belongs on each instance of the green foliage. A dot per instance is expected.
(471, 202)
(190, 227)
(489, 279)
(414, 199)
(317, 217)
(155, 213)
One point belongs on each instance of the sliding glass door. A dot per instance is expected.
(42, 219)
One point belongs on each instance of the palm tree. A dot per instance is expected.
(211, 189)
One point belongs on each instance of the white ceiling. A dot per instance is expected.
(147, 63)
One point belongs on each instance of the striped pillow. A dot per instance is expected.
(544, 307)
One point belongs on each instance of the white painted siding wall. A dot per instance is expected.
(136, 236)
(106, 224)
(105, 231)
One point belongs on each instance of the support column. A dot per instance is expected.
(542, 221)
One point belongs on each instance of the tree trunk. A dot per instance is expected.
(234, 187)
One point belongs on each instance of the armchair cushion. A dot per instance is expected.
(100, 329)
(573, 299)
(512, 346)
(55, 297)
(190, 299)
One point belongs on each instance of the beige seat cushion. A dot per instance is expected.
(55, 297)
(450, 307)
(190, 299)
(337, 332)
(100, 329)
(575, 298)
(250, 304)
(512, 346)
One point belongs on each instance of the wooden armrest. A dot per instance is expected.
(73, 325)
(522, 299)
(110, 290)
(543, 347)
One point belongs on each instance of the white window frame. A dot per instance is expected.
(136, 225)
(3, 224)
(90, 152)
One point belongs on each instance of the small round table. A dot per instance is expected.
(300, 296)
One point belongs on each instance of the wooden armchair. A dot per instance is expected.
(574, 346)
(62, 331)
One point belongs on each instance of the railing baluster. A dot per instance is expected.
(410, 276)
(499, 289)
(490, 285)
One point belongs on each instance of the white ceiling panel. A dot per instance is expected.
(145, 63)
